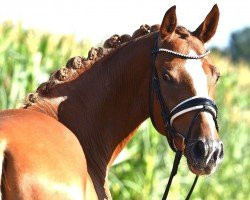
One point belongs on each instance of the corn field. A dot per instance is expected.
(27, 57)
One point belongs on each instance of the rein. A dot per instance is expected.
(198, 104)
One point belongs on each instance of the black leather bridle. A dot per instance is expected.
(198, 104)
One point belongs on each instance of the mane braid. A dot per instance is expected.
(78, 65)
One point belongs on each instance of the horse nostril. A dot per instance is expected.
(215, 155)
(218, 153)
(221, 154)
(200, 150)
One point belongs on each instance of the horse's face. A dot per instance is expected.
(181, 79)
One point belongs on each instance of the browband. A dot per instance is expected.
(187, 56)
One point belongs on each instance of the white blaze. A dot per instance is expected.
(194, 68)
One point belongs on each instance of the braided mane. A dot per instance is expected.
(78, 65)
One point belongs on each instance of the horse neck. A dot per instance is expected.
(105, 105)
(109, 101)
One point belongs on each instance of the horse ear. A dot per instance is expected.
(208, 27)
(169, 23)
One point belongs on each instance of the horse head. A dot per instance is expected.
(187, 81)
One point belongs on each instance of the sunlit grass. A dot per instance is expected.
(27, 57)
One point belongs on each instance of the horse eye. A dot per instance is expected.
(218, 77)
(216, 74)
(166, 77)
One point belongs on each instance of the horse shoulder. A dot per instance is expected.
(41, 158)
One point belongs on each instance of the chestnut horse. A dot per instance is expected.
(63, 143)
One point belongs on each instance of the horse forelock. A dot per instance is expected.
(182, 31)
(78, 65)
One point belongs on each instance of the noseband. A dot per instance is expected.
(195, 103)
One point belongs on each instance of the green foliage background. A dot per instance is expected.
(239, 45)
(27, 57)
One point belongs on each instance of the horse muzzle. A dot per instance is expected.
(203, 157)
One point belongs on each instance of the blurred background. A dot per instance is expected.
(37, 37)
